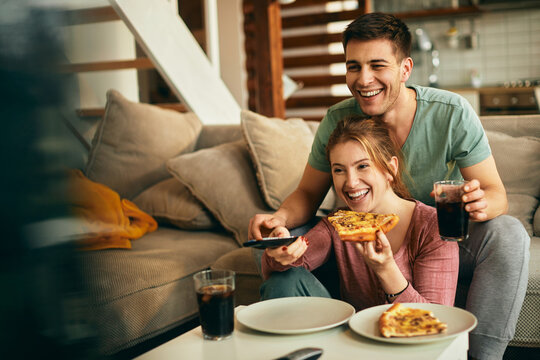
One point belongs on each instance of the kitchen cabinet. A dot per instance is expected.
(501, 100)
(425, 8)
(508, 101)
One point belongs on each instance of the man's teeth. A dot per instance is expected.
(370, 93)
(358, 194)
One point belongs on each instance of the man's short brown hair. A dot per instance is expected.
(373, 26)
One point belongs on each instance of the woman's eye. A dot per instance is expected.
(363, 166)
(337, 171)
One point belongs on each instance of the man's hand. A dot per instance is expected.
(287, 255)
(475, 201)
(261, 225)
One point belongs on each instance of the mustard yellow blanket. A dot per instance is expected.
(108, 221)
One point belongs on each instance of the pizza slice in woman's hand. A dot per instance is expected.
(361, 226)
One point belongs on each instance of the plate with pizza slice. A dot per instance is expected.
(412, 323)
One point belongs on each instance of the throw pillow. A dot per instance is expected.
(536, 222)
(279, 150)
(170, 202)
(222, 179)
(517, 161)
(133, 142)
(522, 207)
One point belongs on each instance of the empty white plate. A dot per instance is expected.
(295, 315)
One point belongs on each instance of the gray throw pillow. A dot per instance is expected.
(222, 178)
(133, 142)
(279, 150)
(517, 161)
(523, 207)
(170, 202)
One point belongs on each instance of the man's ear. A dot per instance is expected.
(406, 68)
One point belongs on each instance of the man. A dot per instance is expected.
(440, 137)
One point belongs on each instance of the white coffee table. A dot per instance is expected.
(338, 343)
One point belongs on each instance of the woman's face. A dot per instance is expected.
(358, 182)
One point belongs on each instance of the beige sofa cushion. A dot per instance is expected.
(134, 140)
(222, 178)
(517, 161)
(523, 207)
(279, 150)
(536, 222)
(169, 201)
(138, 294)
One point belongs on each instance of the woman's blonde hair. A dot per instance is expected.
(376, 141)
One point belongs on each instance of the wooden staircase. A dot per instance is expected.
(105, 14)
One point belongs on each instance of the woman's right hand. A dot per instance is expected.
(286, 255)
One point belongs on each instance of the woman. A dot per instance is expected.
(409, 264)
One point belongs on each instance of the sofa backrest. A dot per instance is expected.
(513, 125)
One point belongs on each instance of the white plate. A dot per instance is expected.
(366, 323)
(295, 315)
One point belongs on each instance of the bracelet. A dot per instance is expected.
(398, 293)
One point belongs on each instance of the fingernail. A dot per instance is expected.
(284, 248)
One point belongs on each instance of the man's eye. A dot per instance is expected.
(353, 68)
(337, 171)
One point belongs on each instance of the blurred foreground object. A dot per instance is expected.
(43, 305)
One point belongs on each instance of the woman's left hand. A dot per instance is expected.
(377, 254)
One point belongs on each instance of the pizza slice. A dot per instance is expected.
(361, 226)
(401, 321)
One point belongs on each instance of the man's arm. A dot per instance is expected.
(484, 194)
(298, 208)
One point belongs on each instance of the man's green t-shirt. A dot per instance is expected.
(446, 135)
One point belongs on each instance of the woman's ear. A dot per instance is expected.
(393, 164)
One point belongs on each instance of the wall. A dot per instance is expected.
(509, 49)
(231, 46)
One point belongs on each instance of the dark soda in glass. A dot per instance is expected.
(216, 310)
(453, 220)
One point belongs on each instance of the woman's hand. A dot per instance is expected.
(377, 254)
(287, 255)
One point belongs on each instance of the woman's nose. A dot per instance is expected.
(352, 179)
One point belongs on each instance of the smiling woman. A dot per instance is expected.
(396, 266)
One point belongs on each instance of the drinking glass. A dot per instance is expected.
(215, 296)
(452, 218)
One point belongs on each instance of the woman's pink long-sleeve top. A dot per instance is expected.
(431, 265)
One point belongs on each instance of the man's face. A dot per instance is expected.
(374, 75)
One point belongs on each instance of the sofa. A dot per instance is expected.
(202, 183)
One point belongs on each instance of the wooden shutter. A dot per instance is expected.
(313, 55)
(264, 62)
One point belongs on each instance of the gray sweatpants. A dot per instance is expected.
(494, 268)
(493, 274)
